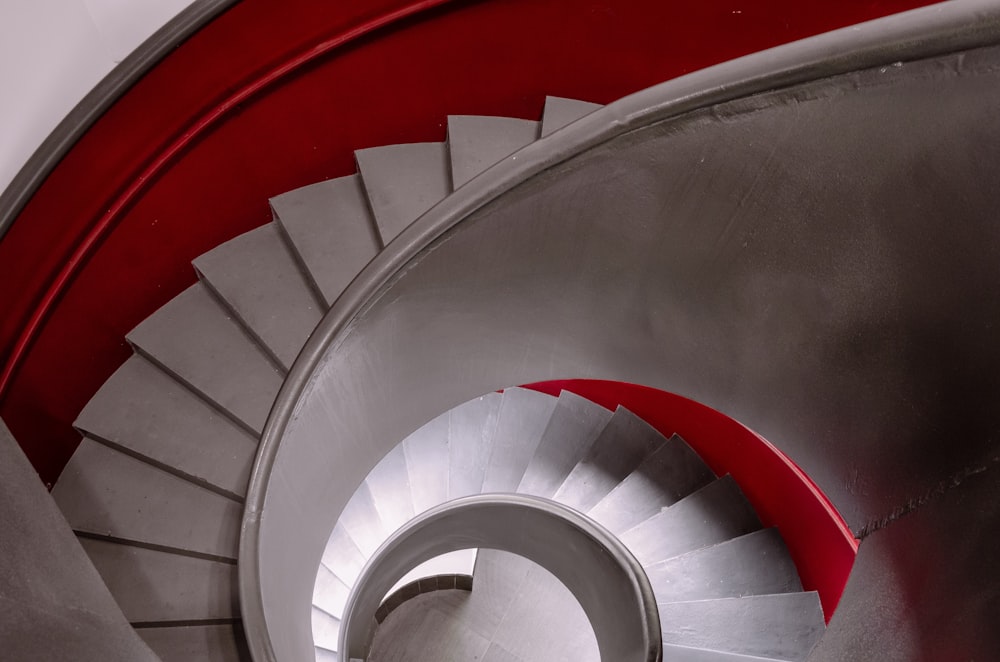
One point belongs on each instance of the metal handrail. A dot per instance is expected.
(600, 572)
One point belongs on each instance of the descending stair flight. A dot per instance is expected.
(155, 491)
(725, 586)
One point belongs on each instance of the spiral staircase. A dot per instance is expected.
(298, 387)
(155, 489)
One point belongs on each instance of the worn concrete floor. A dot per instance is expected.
(517, 612)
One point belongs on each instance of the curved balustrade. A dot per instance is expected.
(598, 570)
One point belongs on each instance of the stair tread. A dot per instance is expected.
(193, 338)
(257, 276)
(676, 653)
(476, 142)
(332, 230)
(757, 563)
(784, 626)
(560, 111)
(197, 643)
(330, 593)
(402, 182)
(146, 411)
(620, 448)
(389, 484)
(666, 476)
(325, 629)
(427, 455)
(573, 428)
(153, 586)
(342, 556)
(362, 522)
(108, 493)
(324, 655)
(523, 416)
(471, 428)
(713, 514)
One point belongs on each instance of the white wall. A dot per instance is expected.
(52, 52)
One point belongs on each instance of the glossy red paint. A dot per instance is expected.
(271, 96)
(819, 540)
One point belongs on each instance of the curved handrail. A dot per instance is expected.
(602, 574)
(920, 33)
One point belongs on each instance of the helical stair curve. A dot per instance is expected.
(725, 587)
(156, 489)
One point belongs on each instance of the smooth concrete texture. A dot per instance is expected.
(714, 514)
(198, 643)
(153, 587)
(516, 612)
(622, 445)
(402, 182)
(259, 280)
(917, 556)
(104, 492)
(754, 564)
(475, 142)
(342, 556)
(427, 455)
(573, 428)
(331, 230)
(523, 417)
(782, 627)
(389, 484)
(560, 111)
(53, 603)
(195, 339)
(668, 474)
(471, 430)
(143, 410)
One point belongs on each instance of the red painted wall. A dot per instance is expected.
(274, 95)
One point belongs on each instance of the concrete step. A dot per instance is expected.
(428, 457)
(143, 411)
(331, 229)
(560, 111)
(524, 415)
(402, 182)
(619, 450)
(198, 643)
(195, 339)
(476, 142)
(258, 279)
(755, 564)
(471, 430)
(573, 428)
(154, 587)
(106, 493)
(714, 514)
(669, 474)
(783, 627)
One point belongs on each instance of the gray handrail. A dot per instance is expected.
(600, 572)
(934, 30)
